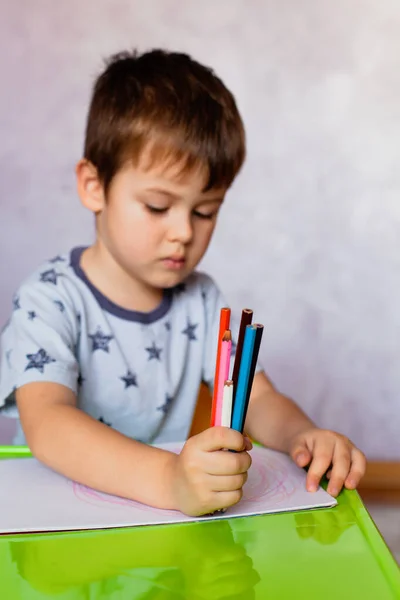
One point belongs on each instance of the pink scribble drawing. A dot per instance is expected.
(95, 498)
(268, 480)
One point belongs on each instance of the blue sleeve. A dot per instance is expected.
(39, 341)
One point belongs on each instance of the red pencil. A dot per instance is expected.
(224, 320)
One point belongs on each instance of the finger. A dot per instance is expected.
(226, 499)
(218, 438)
(340, 469)
(248, 444)
(305, 524)
(227, 483)
(305, 532)
(228, 584)
(321, 461)
(357, 471)
(301, 454)
(328, 474)
(217, 568)
(249, 594)
(226, 463)
(229, 554)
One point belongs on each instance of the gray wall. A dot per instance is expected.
(312, 226)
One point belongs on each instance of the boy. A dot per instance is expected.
(106, 348)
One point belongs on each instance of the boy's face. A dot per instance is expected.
(156, 223)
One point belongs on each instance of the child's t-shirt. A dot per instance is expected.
(136, 372)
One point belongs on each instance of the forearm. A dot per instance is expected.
(84, 450)
(273, 419)
(115, 552)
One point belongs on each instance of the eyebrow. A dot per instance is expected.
(173, 196)
(164, 193)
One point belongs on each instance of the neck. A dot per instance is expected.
(115, 283)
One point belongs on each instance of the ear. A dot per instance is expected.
(90, 188)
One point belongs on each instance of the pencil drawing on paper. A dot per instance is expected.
(269, 482)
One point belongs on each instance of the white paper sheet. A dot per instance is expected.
(34, 499)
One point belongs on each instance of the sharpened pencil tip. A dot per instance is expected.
(227, 337)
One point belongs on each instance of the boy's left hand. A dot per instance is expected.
(330, 453)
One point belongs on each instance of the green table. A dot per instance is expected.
(322, 554)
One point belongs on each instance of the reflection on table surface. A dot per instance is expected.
(292, 555)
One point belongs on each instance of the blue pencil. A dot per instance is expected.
(239, 409)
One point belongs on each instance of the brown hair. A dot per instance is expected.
(171, 104)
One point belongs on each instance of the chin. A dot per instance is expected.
(171, 280)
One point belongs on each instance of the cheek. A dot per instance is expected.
(204, 234)
(209, 230)
(133, 227)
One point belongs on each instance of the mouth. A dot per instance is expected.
(175, 263)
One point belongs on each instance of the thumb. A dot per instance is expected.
(300, 453)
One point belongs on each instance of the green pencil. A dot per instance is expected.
(14, 451)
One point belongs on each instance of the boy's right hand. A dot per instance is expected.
(206, 478)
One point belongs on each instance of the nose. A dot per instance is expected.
(181, 228)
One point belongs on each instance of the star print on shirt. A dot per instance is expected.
(100, 341)
(104, 422)
(129, 379)
(49, 276)
(59, 305)
(189, 331)
(32, 315)
(165, 407)
(39, 360)
(167, 326)
(204, 294)
(16, 303)
(154, 352)
(56, 259)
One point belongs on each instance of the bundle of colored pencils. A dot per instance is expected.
(231, 395)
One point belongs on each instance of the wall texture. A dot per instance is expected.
(310, 233)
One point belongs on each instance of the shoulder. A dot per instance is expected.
(54, 281)
(52, 295)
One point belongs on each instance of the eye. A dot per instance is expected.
(155, 210)
(207, 216)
